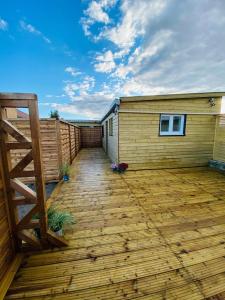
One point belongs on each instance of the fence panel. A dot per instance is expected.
(91, 137)
(49, 145)
(60, 143)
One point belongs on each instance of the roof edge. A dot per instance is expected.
(171, 96)
(115, 103)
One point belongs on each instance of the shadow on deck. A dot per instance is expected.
(157, 234)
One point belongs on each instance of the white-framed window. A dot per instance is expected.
(172, 124)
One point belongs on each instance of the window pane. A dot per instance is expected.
(176, 123)
(165, 123)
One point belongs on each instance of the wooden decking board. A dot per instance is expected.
(147, 235)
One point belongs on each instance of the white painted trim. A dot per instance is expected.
(171, 120)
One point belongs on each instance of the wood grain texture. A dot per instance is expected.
(91, 137)
(194, 105)
(9, 275)
(142, 147)
(219, 142)
(155, 234)
(7, 252)
(57, 144)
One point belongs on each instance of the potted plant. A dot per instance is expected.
(65, 171)
(57, 220)
(119, 168)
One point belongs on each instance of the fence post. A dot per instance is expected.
(75, 143)
(70, 144)
(59, 143)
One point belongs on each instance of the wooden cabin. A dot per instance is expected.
(165, 131)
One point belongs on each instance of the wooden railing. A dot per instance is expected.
(16, 192)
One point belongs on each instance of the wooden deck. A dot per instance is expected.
(144, 235)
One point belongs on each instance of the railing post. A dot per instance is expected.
(9, 192)
(75, 142)
(59, 143)
(38, 169)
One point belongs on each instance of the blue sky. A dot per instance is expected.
(80, 55)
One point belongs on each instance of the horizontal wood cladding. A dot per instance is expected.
(60, 143)
(219, 146)
(91, 137)
(65, 142)
(142, 147)
(186, 105)
(70, 142)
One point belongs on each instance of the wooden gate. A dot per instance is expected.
(17, 192)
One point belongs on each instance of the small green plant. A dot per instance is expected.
(58, 219)
(54, 114)
(65, 170)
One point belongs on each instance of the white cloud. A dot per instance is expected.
(76, 90)
(55, 96)
(137, 15)
(142, 54)
(3, 24)
(30, 28)
(157, 47)
(96, 12)
(74, 109)
(105, 62)
(72, 71)
(85, 100)
(92, 105)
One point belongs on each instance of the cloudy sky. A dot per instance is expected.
(80, 55)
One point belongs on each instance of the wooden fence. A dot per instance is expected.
(60, 143)
(91, 137)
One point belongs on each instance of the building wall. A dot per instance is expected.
(198, 105)
(142, 147)
(112, 140)
(219, 145)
